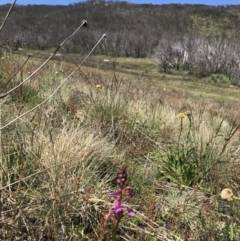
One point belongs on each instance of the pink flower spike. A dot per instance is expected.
(130, 212)
(114, 194)
(118, 207)
(130, 195)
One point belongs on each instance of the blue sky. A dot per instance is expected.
(66, 2)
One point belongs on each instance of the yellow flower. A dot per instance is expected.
(227, 193)
(181, 115)
(98, 86)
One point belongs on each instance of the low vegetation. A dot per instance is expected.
(123, 151)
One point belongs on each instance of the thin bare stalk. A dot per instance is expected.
(11, 77)
(228, 138)
(83, 23)
(56, 90)
(6, 17)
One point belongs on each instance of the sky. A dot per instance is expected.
(66, 2)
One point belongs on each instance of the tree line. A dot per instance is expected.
(133, 30)
(201, 56)
(197, 38)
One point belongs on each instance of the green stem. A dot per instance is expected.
(234, 197)
(181, 127)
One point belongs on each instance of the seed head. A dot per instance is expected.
(227, 193)
(84, 23)
(188, 113)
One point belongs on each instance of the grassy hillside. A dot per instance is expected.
(60, 163)
(121, 150)
(201, 40)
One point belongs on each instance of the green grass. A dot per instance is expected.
(60, 163)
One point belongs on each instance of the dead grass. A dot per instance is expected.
(59, 164)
